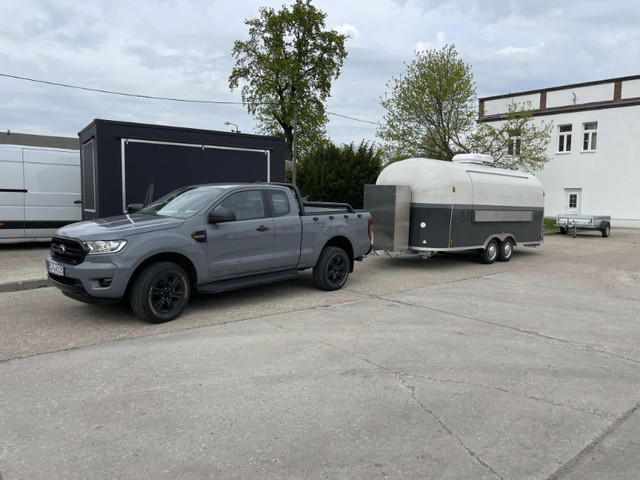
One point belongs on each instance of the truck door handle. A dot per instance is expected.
(263, 228)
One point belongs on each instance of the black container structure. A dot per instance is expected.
(119, 160)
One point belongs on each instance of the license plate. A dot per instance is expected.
(55, 269)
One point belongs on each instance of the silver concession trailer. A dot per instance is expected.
(427, 206)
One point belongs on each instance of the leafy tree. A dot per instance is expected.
(338, 173)
(289, 59)
(431, 108)
(432, 112)
(517, 143)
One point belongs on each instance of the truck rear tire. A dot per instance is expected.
(160, 292)
(506, 250)
(489, 254)
(332, 270)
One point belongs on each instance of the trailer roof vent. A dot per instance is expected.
(473, 158)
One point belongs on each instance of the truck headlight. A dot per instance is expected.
(97, 247)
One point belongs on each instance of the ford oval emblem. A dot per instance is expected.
(58, 249)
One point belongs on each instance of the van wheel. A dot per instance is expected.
(160, 292)
(606, 230)
(505, 251)
(332, 270)
(489, 254)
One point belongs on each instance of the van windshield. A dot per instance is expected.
(184, 202)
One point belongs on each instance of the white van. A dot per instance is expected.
(39, 190)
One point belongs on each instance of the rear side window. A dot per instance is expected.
(280, 204)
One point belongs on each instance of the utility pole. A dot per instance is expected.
(294, 145)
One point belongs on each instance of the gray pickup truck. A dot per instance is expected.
(211, 238)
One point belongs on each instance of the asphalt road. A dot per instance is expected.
(438, 368)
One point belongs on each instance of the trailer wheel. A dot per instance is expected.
(606, 230)
(506, 250)
(563, 230)
(332, 270)
(489, 254)
(160, 292)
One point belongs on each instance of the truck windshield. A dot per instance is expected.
(184, 202)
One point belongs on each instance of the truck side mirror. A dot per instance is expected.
(221, 215)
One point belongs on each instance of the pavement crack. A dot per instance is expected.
(596, 413)
(594, 443)
(533, 333)
(411, 391)
(408, 388)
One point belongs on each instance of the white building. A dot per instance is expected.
(594, 147)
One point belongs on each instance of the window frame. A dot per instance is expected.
(514, 144)
(564, 139)
(589, 137)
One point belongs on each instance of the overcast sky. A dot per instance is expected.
(181, 49)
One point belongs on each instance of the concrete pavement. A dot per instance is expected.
(442, 368)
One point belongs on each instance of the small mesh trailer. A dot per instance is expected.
(427, 206)
(572, 222)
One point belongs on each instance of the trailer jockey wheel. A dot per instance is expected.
(490, 253)
(506, 250)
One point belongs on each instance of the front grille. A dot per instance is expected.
(67, 250)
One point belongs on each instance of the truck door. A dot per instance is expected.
(288, 230)
(244, 246)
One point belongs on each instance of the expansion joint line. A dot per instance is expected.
(532, 333)
(409, 389)
(594, 443)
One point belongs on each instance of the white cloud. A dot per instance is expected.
(349, 30)
(510, 50)
(441, 41)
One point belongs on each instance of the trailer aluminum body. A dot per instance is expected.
(461, 205)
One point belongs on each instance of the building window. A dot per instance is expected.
(573, 200)
(590, 137)
(513, 146)
(564, 138)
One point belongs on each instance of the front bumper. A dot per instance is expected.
(91, 282)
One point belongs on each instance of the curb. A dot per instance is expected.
(24, 285)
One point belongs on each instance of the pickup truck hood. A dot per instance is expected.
(121, 226)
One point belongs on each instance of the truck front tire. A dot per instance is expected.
(160, 292)
(332, 270)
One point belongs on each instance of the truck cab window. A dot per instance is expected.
(247, 205)
(279, 204)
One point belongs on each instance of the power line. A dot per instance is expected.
(110, 92)
(352, 118)
(152, 97)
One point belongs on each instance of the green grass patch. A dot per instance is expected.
(550, 225)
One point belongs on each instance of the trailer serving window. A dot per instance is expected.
(89, 176)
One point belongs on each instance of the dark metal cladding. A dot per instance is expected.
(463, 231)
